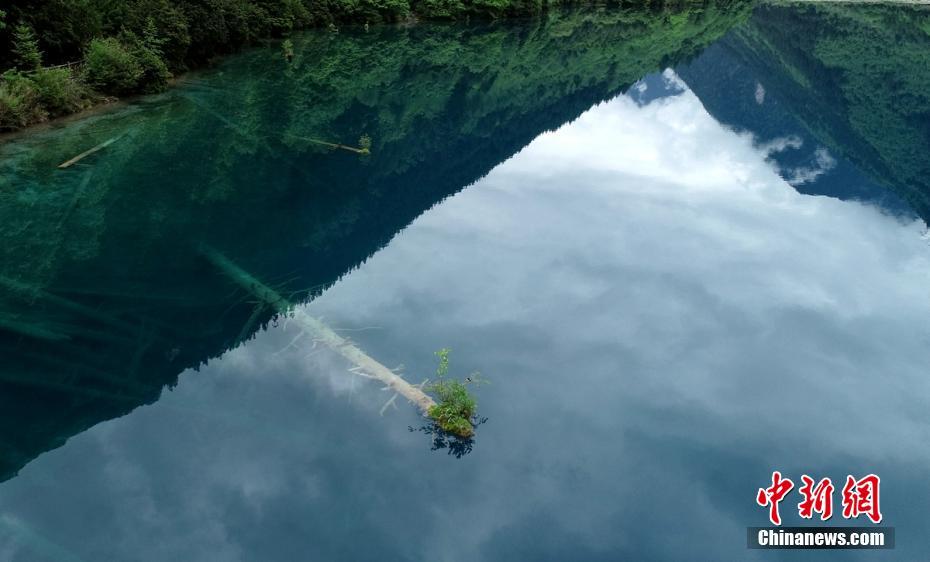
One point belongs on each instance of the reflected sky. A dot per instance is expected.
(662, 317)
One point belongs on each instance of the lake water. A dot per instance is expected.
(685, 249)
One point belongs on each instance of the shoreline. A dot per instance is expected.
(105, 105)
(111, 102)
(101, 107)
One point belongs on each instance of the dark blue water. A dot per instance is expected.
(679, 247)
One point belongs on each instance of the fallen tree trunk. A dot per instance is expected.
(87, 153)
(363, 150)
(365, 365)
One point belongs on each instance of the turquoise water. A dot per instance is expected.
(686, 249)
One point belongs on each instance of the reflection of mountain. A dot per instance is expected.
(852, 79)
(103, 296)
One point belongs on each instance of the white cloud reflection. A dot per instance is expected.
(663, 318)
(646, 272)
(823, 163)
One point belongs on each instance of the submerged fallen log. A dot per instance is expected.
(35, 292)
(86, 153)
(365, 365)
(362, 150)
(30, 329)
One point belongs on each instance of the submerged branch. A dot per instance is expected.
(362, 150)
(86, 153)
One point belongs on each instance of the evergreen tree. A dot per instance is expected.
(26, 48)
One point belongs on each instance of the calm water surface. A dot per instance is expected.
(685, 249)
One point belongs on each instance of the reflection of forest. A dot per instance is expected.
(857, 77)
(104, 296)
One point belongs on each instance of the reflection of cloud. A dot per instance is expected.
(780, 144)
(656, 86)
(664, 321)
(672, 140)
(673, 81)
(823, 163)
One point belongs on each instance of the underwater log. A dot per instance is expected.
(87, 153)
(363, 150)
(365, 365)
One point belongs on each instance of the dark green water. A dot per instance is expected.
(687, 248)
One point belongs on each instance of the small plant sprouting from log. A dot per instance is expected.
(455, 412)
(364, 143)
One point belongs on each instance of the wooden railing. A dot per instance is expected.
(72, 64)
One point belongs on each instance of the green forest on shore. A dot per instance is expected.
(63, 56)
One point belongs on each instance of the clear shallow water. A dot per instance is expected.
(663, 317)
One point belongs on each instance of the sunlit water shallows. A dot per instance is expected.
(668, 304)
